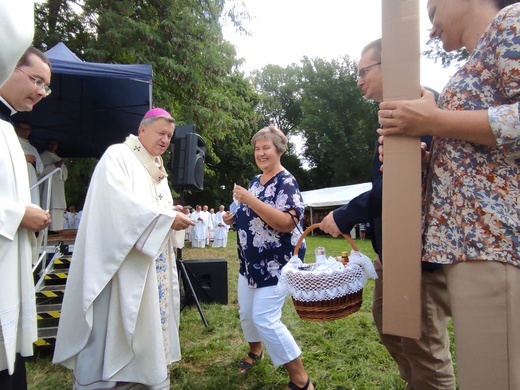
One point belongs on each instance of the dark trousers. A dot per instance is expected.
(17, 381)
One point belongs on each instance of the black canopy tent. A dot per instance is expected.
(92, 105)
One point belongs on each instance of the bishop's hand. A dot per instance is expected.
(182, 221)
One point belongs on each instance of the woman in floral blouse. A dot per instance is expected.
(267, 221)
(472, 198)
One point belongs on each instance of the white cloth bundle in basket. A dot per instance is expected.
(312, 282)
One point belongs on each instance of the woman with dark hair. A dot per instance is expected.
(472, 203)
(267, 219)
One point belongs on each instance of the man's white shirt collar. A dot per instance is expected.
(13, 111)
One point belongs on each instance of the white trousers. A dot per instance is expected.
(260, 315)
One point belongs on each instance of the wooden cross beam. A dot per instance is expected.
(402, 175)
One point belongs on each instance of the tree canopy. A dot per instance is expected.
(196, 77)
(436, 53)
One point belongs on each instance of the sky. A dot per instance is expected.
(284, 31)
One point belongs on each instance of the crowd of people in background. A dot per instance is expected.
(211, 231)
(209, 227)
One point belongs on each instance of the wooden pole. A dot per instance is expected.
(402, 175)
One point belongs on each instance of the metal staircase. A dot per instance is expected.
(50, 272)
(50, 289)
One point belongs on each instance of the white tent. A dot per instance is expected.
(333, 196)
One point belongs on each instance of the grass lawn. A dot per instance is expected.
(341, 354)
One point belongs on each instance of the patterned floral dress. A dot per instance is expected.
(263, 251)
(472, 199)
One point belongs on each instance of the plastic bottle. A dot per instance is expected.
(321, 254)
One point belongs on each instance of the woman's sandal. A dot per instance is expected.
(292, 386)
(245, 366)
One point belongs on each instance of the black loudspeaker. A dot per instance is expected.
(209, 280)
(187, 163)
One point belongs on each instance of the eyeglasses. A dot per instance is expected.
(363, 71)
(38, 82)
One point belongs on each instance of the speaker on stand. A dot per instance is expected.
(187, 167)
(187, 163)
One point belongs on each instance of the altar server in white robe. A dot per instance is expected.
(16, 33)
(71, 218)
(120, 316)
(200, 230)
(18, 222)
(221, 229)
(212, 224)
(32, 157)
(57, 203)
(209, 222)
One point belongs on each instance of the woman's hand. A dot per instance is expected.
(413, 118)
(277, 219)
(242, 195)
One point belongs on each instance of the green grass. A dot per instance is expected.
(341, 354)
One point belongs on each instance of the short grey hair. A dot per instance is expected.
(274, 134)
(152, 119)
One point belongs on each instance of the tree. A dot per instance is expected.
(437, 53)
(280, 93)
(280, 96)
(233, 162)
(338, 123)
(321, 102)
(79, 173)
(194, 76)
(57, 21)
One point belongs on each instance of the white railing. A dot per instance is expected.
(42, 237)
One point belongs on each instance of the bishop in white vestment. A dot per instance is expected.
(120, 317)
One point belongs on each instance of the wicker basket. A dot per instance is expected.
(326, 310)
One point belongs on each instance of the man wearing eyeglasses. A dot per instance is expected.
(19, 220)
(424, 364)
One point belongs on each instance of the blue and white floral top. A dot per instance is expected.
(263, 251)
(473, 195)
